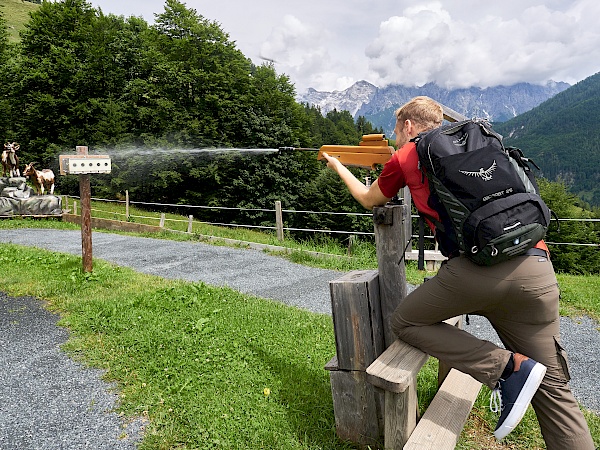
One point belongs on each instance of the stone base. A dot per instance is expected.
(18, 199)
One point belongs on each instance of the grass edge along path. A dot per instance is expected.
(579, 293)
(209, 367)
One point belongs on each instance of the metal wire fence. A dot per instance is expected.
(123, 212)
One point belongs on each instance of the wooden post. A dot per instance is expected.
(162, 220)
(356, 313)
(357, 321)
(390, 239)
(278, 220)
(85, 196)
(399, 423)
(127, 205)
(74, 207)
(358, 407)
(190, 224)
(351, 242)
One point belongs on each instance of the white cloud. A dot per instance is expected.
(300, 50)
(428, 43)
(328, 45)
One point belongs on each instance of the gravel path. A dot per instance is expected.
(49, 402)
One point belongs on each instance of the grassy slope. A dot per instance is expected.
(211, 367)
(16, 14)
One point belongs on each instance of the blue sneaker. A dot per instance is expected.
(513, 395)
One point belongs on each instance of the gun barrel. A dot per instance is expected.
(298, 149)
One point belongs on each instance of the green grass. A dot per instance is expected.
(16, 14)
(580, 295)
(209, 367)
(212, 368)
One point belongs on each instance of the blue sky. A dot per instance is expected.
(330, 44)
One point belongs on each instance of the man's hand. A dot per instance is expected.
(332, 162)
(366, 196)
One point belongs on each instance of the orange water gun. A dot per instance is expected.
(371, 151)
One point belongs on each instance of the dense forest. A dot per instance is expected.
(563, 133)
(161, 99)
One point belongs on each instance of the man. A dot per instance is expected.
(519, 297)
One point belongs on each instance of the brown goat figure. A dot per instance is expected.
(10, 160)
(41, 179)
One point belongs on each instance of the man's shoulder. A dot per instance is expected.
(407, 153)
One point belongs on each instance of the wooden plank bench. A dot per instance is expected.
(433, 258)
(444, 419)
(395, 372)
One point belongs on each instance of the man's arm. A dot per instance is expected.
(368, 197)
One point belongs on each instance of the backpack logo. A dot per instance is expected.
(485, 175)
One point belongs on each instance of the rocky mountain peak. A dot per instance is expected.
(497, 104)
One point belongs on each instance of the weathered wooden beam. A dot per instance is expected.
(396, 369)
(443, 421)
(451, 115)
(357, 319)
(400, 417)
(391, 240)
(358, 407)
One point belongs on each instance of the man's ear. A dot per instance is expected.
(409, 127)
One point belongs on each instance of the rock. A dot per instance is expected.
(18, 198)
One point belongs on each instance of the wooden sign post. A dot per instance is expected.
(83, 165)
(85, 197)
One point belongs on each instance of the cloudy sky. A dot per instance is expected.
(330, 44)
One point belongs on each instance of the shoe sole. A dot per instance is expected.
(524, 398)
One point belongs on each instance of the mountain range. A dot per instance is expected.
(556, 125)
(377, 105)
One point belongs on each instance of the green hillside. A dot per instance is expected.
(562, 136)
(16, 14)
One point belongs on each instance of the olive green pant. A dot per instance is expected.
(520, 299)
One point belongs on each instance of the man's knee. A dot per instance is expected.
(398, 325)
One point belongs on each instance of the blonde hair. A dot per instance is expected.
(423, 111)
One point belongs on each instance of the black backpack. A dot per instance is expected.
(485, 194)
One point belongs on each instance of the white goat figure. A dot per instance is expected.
(41, 179)
(10, 160)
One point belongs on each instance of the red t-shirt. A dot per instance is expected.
(403, 170)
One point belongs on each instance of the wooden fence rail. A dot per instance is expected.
(427, 259)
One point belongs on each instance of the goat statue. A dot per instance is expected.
(10, 160)
(41, 179)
